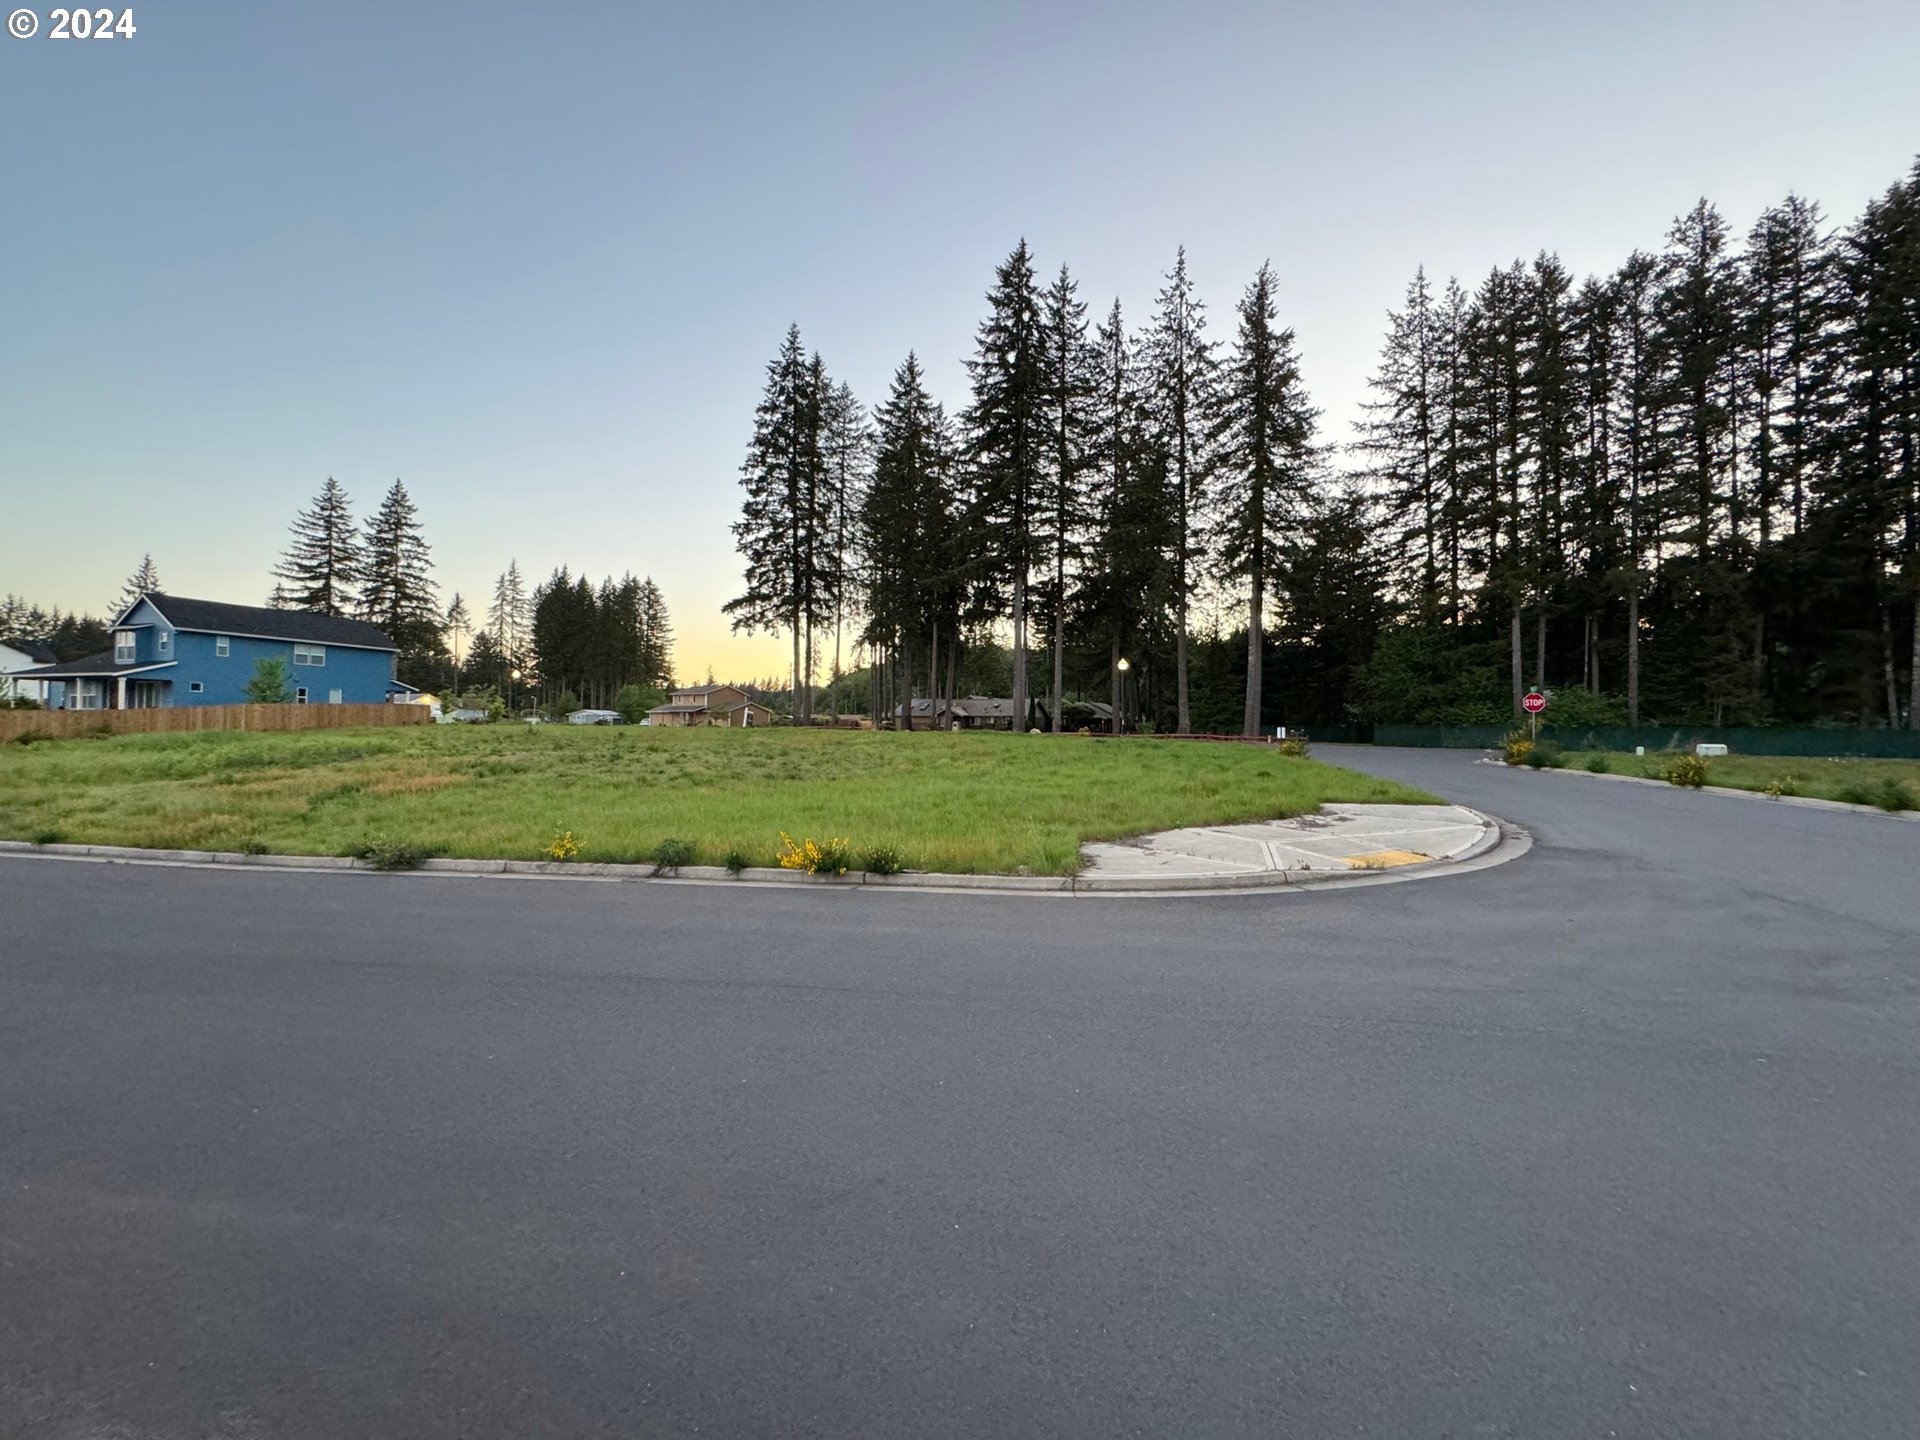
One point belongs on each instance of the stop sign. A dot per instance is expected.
(1534, 703)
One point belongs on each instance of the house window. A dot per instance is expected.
(300, 696)
(196, 687)
(166, 642)
(333, 697)
(305, 654)
(222, 646)
(123, 647)
(87, 694)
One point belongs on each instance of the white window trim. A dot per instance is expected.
(196, 688)
(222, 646)
(166, 642)
(300, 695)
(335, 697)
(315, 656)
(125, 652)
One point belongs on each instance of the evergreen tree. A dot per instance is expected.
(508, 616)
(1179, 366)
(1400, 441)
(397, 591)
(1007, 431)
(458, 625)
(846, 442)
(322, 568)
(1071, 380)
(1261, 440)
(911, 565)
(784, 519)
(656, 637)
(145, 580)
(1128, 581)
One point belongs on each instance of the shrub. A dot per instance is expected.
(30, 737)
(1546, 755)
(1781, 785)
(1689, 772)
(564, 847)
(47, 835)
(383, 854)
(1888, 793)
(670, 854)
(883, 860)
(736, 860)
(831, 857)
(269, 685)
(1294, 747)
(634, 701)
(1599, 765)
(1515, 745)
(251, 847)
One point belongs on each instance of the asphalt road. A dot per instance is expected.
(1619, 1139)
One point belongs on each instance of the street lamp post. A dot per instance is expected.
(1124, 666)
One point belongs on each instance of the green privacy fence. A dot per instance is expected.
(1874, 744)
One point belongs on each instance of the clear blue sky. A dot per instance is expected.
(532, 258)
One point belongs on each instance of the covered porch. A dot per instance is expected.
(98, 683)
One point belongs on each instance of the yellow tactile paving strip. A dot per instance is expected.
(1385, 859)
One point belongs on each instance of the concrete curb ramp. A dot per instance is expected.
(1361, 832)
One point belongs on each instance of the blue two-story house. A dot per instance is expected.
(168, 650)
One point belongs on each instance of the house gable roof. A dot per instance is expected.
(217, 617)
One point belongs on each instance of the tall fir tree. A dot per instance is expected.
(1071, 380)
(1006, 425)
(397, 590)
(145, 580)
(786, 510)
(1179, 364)
(322, 569)
(1400, 445)
(1261, 440)
(508, 615)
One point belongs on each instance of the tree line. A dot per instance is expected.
(567, 642)
(1685, 491)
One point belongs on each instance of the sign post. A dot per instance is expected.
(1533, 704)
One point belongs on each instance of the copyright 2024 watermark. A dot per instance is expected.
(63, 24)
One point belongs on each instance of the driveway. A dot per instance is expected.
(1619, 1139)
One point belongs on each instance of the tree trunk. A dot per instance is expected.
(794, 708)
(1519, 664)
(1633, 654)
(952, 646)
(1886, 663)
(1113, 672)
(1540, 651)
(1913, 674)
(1020, 716)
(1183, 718)
(1059, 659)
(1250, 717)
(833, 696)
(933, 680)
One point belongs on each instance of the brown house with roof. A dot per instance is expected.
(711, 705)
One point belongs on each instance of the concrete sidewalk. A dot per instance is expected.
(1340, 839)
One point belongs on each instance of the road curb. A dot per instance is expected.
(1492, 836)
(1805, 802)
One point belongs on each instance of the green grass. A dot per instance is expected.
(1857, 782)
(980, 803)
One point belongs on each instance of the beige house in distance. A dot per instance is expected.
(710, 705)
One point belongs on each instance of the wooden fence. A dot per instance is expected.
(62, 724)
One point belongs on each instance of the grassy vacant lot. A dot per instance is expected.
(1857, 782)
(963, 803)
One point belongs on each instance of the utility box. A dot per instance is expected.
(1704, 750)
